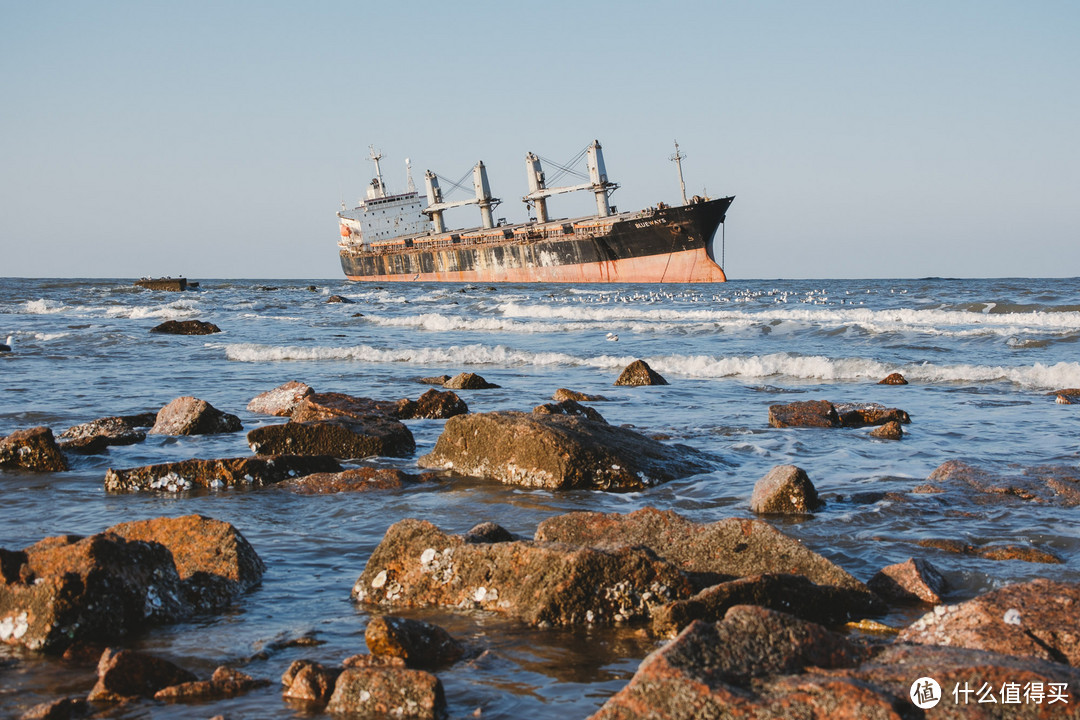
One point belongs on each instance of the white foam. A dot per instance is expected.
(178, 309)
(43, 307)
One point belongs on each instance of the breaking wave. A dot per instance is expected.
(43, 307)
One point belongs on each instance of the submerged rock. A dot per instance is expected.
(374, 435)
(565, 394)
(824, 414)
(62, 709)
(186, 327)
(893, 379)
(359, 479)
(128, 674)
(556, 452)
(93, 437)
(639, 373)
(419, 644)
(910, 581)
(889, 431)
(993, 552)
(468, 381)
(216, 474)
(191, 416)
(339, 299)
(226, 682)
(33, 449)
(785, 490)
(282, 400)
(1059, 485)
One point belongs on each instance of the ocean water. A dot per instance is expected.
(981, 356)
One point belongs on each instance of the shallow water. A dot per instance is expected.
(980, 354)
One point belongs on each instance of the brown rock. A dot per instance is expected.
(639, 373)
(785, 490)
(1036, 619)
(62, 709)
(1059, 485)
(359, 479)
(556, 452)
(809, 413)
(894, 379)
(388, 692)
(468, 381)
(225, 683)
(889, 431)
(93, 437)
(793, 594)
(190, 416)
(432, 405)
(33, 449)
(1067, 396)
(418, 565)
(435, 380)
(569, 407)
(992, 552)
(339, 406)
(282, 400)
(186, 327)
(910, 581)
(215, 474)
(860, 415)
(488, 532)
(564, 394)
(712, 552)
(310, 682)
(375, 435)
(127, 674)
(367, 661)
(339, 299)
(419, 644)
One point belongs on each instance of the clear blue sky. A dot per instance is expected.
(862, 139)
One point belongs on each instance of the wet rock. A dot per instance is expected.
(418, 565)
(639, 373)
(893, 379)
(913, 580)
(375, 435)
(564, 394)
(468, 381)
(225, 683)
(993, 552)
(388, 692)
(889, 431)
(489, 532)
(793, 594)
(785, 490)
(128, 674)
(216, 474)
(93, 437)
(68, 590)
(712, 552)
(1059, 485)
(432, 405)
(62, 709)
(309, 682)
(419, 644)
(435, 380)
(1036, 619)
(1067, 396)
(339, 299)
(33, 449)
(368, 661)
(329, 406)
(186, 327)
(861, 415)
(556, 452)
(569, 407)
(359, 479)
(823, 414)
(282, 400)
(191, 416)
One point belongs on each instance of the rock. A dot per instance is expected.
(822, 413)
(339, 299)
(993, 552)
(1058, 485)
(488, 532)
(62, 709)
(1063, 399)
(785, 490)
(190, 416)
(564, 394)
(418, 565)
(419, 644)
(359, 479)
(569, 407)
(282, 400)
(93, 437)
(435, 380)
(376, 435)
(910, 581)
(216, 474)
(432, 405)
(225, 683)
(893, 379)
(1067, 396)
(186, 327)
(310, 682)
(1035, 619)
(556, 452)
(711, 552)
(367, 661)
(889, 431)
(68, 590)
(128, 674)
(639, 373)
(321, 407)
(468, 381)
(854, 415)
(793, 594)
(34, 449)
(388, 692)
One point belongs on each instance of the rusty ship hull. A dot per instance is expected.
(659, 245)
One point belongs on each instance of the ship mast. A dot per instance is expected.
(377, 188)
(677, 158)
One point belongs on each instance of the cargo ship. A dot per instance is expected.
(403, 237)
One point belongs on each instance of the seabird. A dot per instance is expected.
(6, 346)
(612, 337)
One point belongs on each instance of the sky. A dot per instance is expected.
(861, 139)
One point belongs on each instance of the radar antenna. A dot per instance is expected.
(677, 158)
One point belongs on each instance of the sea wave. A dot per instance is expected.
(776, 365)
(43, 307)
(178, 309)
